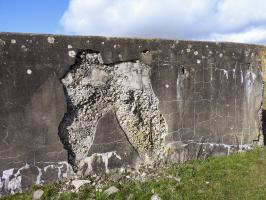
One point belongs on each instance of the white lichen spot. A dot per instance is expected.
(13, 41)
(198, 61)
(120, 56)
(102, 43)
(29, 71)
(167, 86)
(51, 40)
(116, 46)
(69, 46)
(210, 52)
(207, 46)
(220, 55)
(196, 53)
(24, 48)
(188, 50)
(72, 53)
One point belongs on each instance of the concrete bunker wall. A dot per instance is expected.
(102, 104)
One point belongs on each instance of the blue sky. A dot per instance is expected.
(38, 16)
(214, 20)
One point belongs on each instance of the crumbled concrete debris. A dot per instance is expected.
(93, 88)
(100, 182)
(155, 197)
(37, 194)
(177, 179)
(78, 183)
(116, 177)
(111, 190)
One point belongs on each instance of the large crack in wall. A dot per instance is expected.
(93, 88)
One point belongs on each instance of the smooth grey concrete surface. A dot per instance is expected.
(152, 100)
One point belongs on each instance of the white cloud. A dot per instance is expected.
(230, 20)
(253, 35)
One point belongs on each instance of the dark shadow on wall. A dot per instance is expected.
(263, 114)
(63, 131)
(264, 125)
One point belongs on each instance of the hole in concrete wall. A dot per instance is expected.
(71, 114)
(93, 88)
(182, 69)
(249, 66)
(145, 51)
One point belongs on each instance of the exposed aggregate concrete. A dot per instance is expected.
(93, 88)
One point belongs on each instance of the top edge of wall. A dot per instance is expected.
(128, 38)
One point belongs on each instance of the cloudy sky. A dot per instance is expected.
(215, 20)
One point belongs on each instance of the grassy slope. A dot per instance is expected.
(238, 176)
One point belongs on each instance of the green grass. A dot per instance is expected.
(238, 176)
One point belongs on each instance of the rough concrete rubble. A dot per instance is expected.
(93, 89)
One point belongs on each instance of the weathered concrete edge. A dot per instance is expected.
(152, 39)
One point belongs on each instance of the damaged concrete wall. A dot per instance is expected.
(102, 104)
